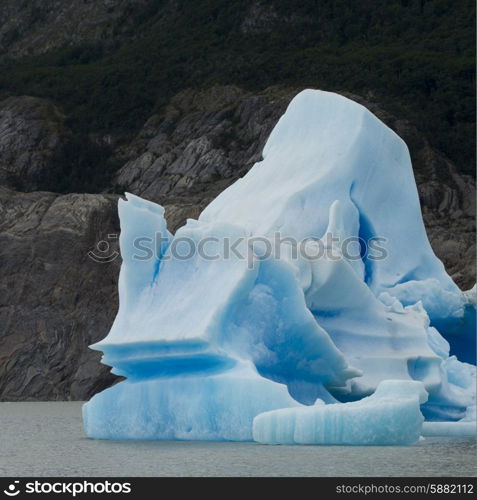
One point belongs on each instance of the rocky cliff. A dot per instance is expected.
(32, 132)
(58, 252)
(54, 300)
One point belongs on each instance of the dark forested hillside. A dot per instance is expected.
(415, 56)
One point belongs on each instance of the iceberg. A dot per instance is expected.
(218, 407)
(309, 279)
(390, 416)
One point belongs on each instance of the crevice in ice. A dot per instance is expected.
(460, 333)
(365, 234)
(157, 267)
(409, 276)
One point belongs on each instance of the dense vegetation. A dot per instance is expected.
(417, 56)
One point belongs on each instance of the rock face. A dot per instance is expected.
(32, 131)
(54, 299)
(58, 281)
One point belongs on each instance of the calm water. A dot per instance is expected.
(46, 439)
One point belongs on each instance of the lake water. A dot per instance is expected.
(46, 439)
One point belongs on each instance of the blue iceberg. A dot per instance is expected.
(390, 416)
(311, 279)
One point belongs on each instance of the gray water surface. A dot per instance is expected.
(46, 439)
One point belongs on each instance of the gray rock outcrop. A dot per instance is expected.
(32, 132)
(54, 299)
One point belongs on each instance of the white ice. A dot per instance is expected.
(334, 328)
(391, 416)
